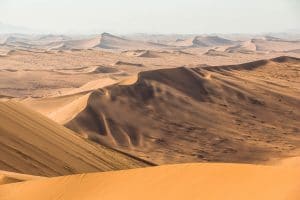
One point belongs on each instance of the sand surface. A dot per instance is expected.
(80, 116)
(184, 181)
(12, 177)
(238, 113)
(33, 144)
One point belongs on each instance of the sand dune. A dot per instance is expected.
(104, 69)
(11, 177)
(61, 42)
(33, 144)
(154, 54)
(185, 181)
(214, 52)
(64, 108)
(293, 51)
(142, 53)
(119, 103)
(108, 41)
(238, 113)
(244, 47)
(207, 41)
(269, 45)
(202, 41)
(128, 63)
(79, 44)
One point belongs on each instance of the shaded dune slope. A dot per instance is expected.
(242, 113)
(34, 144)
(197, 181)
(12, 177)
(207, 41)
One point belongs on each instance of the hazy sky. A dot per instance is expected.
(153, 16)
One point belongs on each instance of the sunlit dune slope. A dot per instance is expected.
(184, 181)
(33, 144)
(238, 113)
(65, 107)
(104, 41)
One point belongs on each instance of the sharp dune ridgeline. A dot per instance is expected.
(33, 144)
(245, 113)
(185, 181)
(7, 177)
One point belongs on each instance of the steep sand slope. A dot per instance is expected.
(240, 113)
(185, 181)
(34, 144)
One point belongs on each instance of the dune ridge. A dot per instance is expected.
(184, 181)
(11, 177)
(222, 113)
(33, 144)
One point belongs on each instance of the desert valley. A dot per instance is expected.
(146, 116)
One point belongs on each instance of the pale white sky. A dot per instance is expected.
(153, 16)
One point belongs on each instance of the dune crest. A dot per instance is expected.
(11, 177)
(33, 144)
(218, 113)
(184, 181)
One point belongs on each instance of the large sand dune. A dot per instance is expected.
(238, 113)
(33, 144)
(118, 103)
(185, 181)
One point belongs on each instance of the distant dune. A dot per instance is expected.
(61, 42)
(128, 64)
(33, 144)
(142, 53)
(206, 41)
(106, 41)
(202, 41)
(109, 41)
(154, 53)
(185, 181)
(214, 52)
(222, 114)
(78, 44)
(244, 47)
(270, 44)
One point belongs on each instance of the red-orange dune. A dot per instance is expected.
(184, 181)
